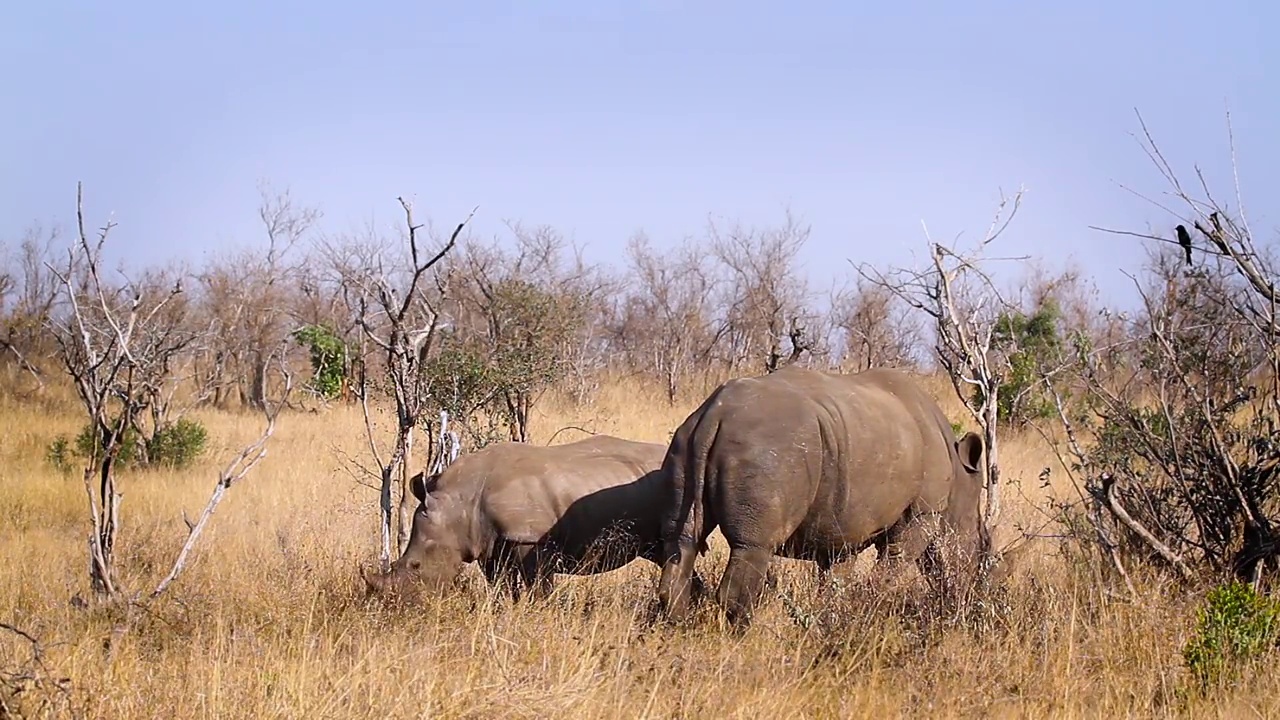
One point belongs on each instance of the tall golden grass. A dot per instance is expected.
(269, 620)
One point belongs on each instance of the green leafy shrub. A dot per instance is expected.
(466, 383)
(88, 444)
(328, 359)
(1234, 627)
(178, 445)
(60, 455)
(1029, 342)
(463, 379)
(175, 446)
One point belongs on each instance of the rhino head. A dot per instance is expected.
(437, 549)
(964, 511)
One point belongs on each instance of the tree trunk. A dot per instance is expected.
(105, 510)
(384, 517)
(991, 513)
(258, 386)
(408, 503)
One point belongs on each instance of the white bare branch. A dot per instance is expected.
(234, 472)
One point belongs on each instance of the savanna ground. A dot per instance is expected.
(269, 621)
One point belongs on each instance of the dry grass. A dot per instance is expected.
(269, 620)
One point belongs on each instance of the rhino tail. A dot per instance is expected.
(685, 528)
(694, 528)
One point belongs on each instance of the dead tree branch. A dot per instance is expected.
(48, 694)
(234, 472)
(963, 304)
(1185, 459)
(1113, 504)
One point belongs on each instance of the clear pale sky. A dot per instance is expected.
(604, 118)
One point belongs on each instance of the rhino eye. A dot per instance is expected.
(414, 564)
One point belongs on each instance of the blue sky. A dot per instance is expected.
(605, 118)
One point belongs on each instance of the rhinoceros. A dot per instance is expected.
(816, 465)
(525, 512)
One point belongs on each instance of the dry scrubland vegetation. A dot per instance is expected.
(1136, 452)
(269, 621)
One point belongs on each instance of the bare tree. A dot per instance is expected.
(766, 315)
(116, 346)
(399, 311)
(667, 322)
(530, 309)
(28, 297)
(879, 329)
(250, 295)
(964, 305)
(119, 343)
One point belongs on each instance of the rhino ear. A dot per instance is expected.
(970, 447)
(421, 484)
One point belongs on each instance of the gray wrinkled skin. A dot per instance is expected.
(818, 466)
(525, 512)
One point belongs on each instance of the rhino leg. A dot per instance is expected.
(743, 583)
(502, 574)
(536, 572)
(910, 541)
(697, 586)
(675, 585)
(825, 562)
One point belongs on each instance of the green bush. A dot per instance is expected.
(177, 445)
(88, 444)
(328, 359)
(1029, 342)
(59, 454)
(1234, 627)
(462, 378)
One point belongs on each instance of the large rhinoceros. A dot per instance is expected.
(525, 512)
(815, 465)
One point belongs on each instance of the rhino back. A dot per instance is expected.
(528, 496)
(820, 458)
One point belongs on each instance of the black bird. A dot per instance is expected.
(1184, 240)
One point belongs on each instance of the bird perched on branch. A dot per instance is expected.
(1184, 239)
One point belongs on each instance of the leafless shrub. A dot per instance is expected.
(28, 297)
(251, 295)
(666, 324)
(1185, 462)
(767, 321)
(878, 328)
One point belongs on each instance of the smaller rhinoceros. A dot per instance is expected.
(525, 512)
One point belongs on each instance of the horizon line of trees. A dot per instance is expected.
(686, 317)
